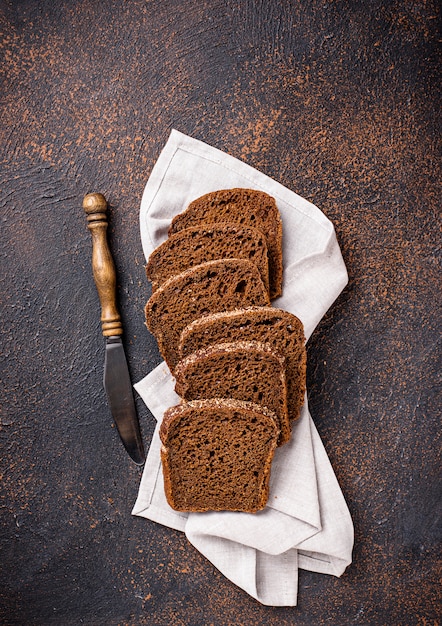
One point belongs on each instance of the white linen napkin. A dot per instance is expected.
(306, 523)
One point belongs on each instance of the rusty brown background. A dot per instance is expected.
(340, 102)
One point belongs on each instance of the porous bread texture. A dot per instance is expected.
(217, 455)
(282, 330)
(206, 288)
(199, 244)
(242, 370)
(247, 207)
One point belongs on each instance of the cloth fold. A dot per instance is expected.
(306, 523)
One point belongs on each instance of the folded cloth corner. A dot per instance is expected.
(306, 523)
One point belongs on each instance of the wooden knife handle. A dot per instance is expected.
(95, 206)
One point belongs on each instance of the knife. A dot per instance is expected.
(116, 373)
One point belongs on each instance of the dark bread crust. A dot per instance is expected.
(210, 287)
(280, 329)
(217, 455)
(198, 244)
(242, 370)
(246, 207)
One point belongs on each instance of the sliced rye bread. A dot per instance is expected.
(192, 246)
(207, 288)
(217, 455)
(280, 329)
(242, 370)
(247, 207)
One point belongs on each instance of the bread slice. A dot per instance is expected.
(247, 207)
(280, 329)
(217, 455)
(199, 244)
(241, 370)
(206, 288)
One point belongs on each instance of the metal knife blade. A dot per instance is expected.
(116, 374)
(120, 398)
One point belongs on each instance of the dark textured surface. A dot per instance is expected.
(340, 102)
